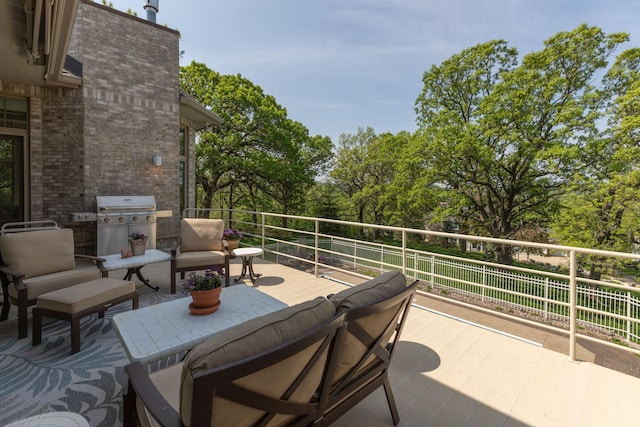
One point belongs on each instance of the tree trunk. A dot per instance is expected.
(361, 221)
(504, 254)
(206, 201)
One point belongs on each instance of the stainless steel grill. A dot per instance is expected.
(118, 216)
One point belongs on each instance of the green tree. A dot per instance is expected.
(364, 171)
(603, 209)
(349, 174)
(505, 138)
(258, 155)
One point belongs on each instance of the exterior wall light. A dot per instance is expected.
(157, 160)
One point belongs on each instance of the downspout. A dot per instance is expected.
(36, 30)
(47, 26)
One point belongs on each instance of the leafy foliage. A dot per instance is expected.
(262, 159)
(504, 140)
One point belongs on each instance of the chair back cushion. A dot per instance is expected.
(374, 325)
(36, 253)
(371, 292)
(201, 234)
(247, 340)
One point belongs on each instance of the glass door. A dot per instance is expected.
(11, 178)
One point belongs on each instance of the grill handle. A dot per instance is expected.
(127, 208)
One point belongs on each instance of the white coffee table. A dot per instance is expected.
(160, 331)
(247, 255)
(135, 263)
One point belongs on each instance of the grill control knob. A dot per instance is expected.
(106, 220)
(121, 219)
(135, 219)
(150, 218)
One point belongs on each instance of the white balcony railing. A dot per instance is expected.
(607, 310)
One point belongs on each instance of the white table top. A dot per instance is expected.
(245, 252)
(116, 262)
(157, 332)
(62, 419)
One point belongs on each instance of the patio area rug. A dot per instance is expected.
(46, 378)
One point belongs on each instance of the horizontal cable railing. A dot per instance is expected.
(608, 312)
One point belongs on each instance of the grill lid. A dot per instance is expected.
(107, 204)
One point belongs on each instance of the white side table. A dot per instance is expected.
(247, 255)
(135, 263)
(62, 419)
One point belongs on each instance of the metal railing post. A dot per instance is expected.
(628, 320)
(404, 252)
(433, 267)
(546, 298)
(262, 232)
(573, 312)
(355, 256)
(317, 241)
(484, 282)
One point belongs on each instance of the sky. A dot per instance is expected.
(340, 65)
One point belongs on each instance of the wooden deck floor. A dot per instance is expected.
(450, 373)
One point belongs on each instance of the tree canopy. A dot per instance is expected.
(505, 139)
(507, 146)
(258, 156)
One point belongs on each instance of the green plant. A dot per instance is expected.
(211, 279)
(137, 236)
(232, 234)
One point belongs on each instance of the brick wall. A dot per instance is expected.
(99, 139)
(129, 111)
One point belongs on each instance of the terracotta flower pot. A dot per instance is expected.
(205, 302)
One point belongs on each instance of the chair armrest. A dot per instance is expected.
(225, 247)
(174, 249)
(155, 403)
(15, 275)
(99, 261)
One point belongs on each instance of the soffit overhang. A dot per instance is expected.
(197, 114)
(34, 40)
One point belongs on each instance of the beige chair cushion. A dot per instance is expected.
(39, 285)
(74, 299)
(197, 234)
(36, 253)
(199, 258)
(248, 339)
(375, 290)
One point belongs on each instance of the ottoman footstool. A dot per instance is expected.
(75, 302)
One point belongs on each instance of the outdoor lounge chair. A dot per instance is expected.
(269, 370)
(201, 246)
(302, 365)
(376, 312)
(37, 261)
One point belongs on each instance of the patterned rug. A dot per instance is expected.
(46, 378)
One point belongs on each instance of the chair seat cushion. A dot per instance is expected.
(186, 260)
(248, 339)
(39, 285)
(75, 299)
(35, 253)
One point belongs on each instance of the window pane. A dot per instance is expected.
(13, 113)
(11, 178)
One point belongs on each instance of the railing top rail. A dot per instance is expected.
(468, 237)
